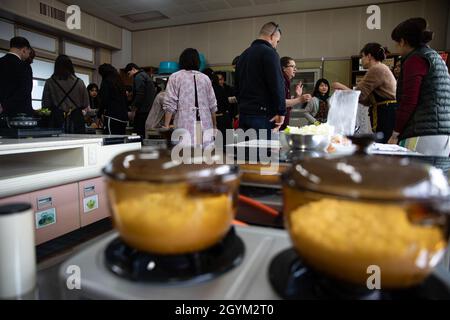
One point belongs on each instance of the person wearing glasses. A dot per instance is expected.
(260, 83)
(143, 96)
(289, 68)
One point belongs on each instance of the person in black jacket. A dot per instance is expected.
(260, 83)
(15, 89)
(222, 93)
(143, 96)
(113, 101)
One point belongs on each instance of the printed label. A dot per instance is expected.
(45, 218)
(90, 203)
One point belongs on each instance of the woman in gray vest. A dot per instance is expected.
(423, 92)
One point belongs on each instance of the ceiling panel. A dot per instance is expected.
(194, 8)
(184, 12)
(216, 5)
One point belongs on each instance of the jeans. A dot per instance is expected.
(259, 123)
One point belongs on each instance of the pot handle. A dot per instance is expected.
(433, 213)
(364, 141)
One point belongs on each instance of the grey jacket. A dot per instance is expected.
(311, 110)
(53, 95)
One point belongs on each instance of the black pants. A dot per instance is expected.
(139, 123)
(73, 123)
(115, 127)
(224, 123)
(385, 121)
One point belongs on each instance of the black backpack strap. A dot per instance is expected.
(66, 94)
(197, 108)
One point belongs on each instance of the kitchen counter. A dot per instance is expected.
(32, 164)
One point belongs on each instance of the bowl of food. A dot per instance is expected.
(165, 206)
(347, 215)
(309, 137)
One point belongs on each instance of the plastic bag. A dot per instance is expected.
(343, 110)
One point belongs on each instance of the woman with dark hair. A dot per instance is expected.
(91, 113)
(319, 105)
(377, 90)
(190, 97)
(423, 92)
(92, 89)
(66, 96)
(289, 69)
(113, 101)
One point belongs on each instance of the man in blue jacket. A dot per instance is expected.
(260, 83)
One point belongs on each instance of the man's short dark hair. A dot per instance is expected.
(19, 43)
(189, 60)
(130, 66)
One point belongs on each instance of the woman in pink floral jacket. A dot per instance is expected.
(180, 100)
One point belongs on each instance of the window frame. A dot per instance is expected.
(56, 38)
(81, 66)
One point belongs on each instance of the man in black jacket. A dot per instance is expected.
(143, 96)
(260, 83)
(15, 88)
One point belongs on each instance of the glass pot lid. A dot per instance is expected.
(158, 165)
(371, 177)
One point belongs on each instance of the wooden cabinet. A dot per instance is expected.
(56, 211)
(93, 201)
(66, 208)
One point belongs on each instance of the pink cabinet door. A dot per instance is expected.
(94, 204)
(56, 211)
(20, 198)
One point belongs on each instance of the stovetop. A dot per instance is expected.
(135, 265)
(247, 281)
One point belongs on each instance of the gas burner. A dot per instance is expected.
(197, 267)
(291, 279)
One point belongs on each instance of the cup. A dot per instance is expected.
(17, 251)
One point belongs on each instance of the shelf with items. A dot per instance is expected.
(358, 71)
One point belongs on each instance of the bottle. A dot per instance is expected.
(17, 252)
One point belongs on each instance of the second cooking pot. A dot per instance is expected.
(347, 215)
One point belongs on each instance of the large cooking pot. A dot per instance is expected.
(164, 207)
(346, 215)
